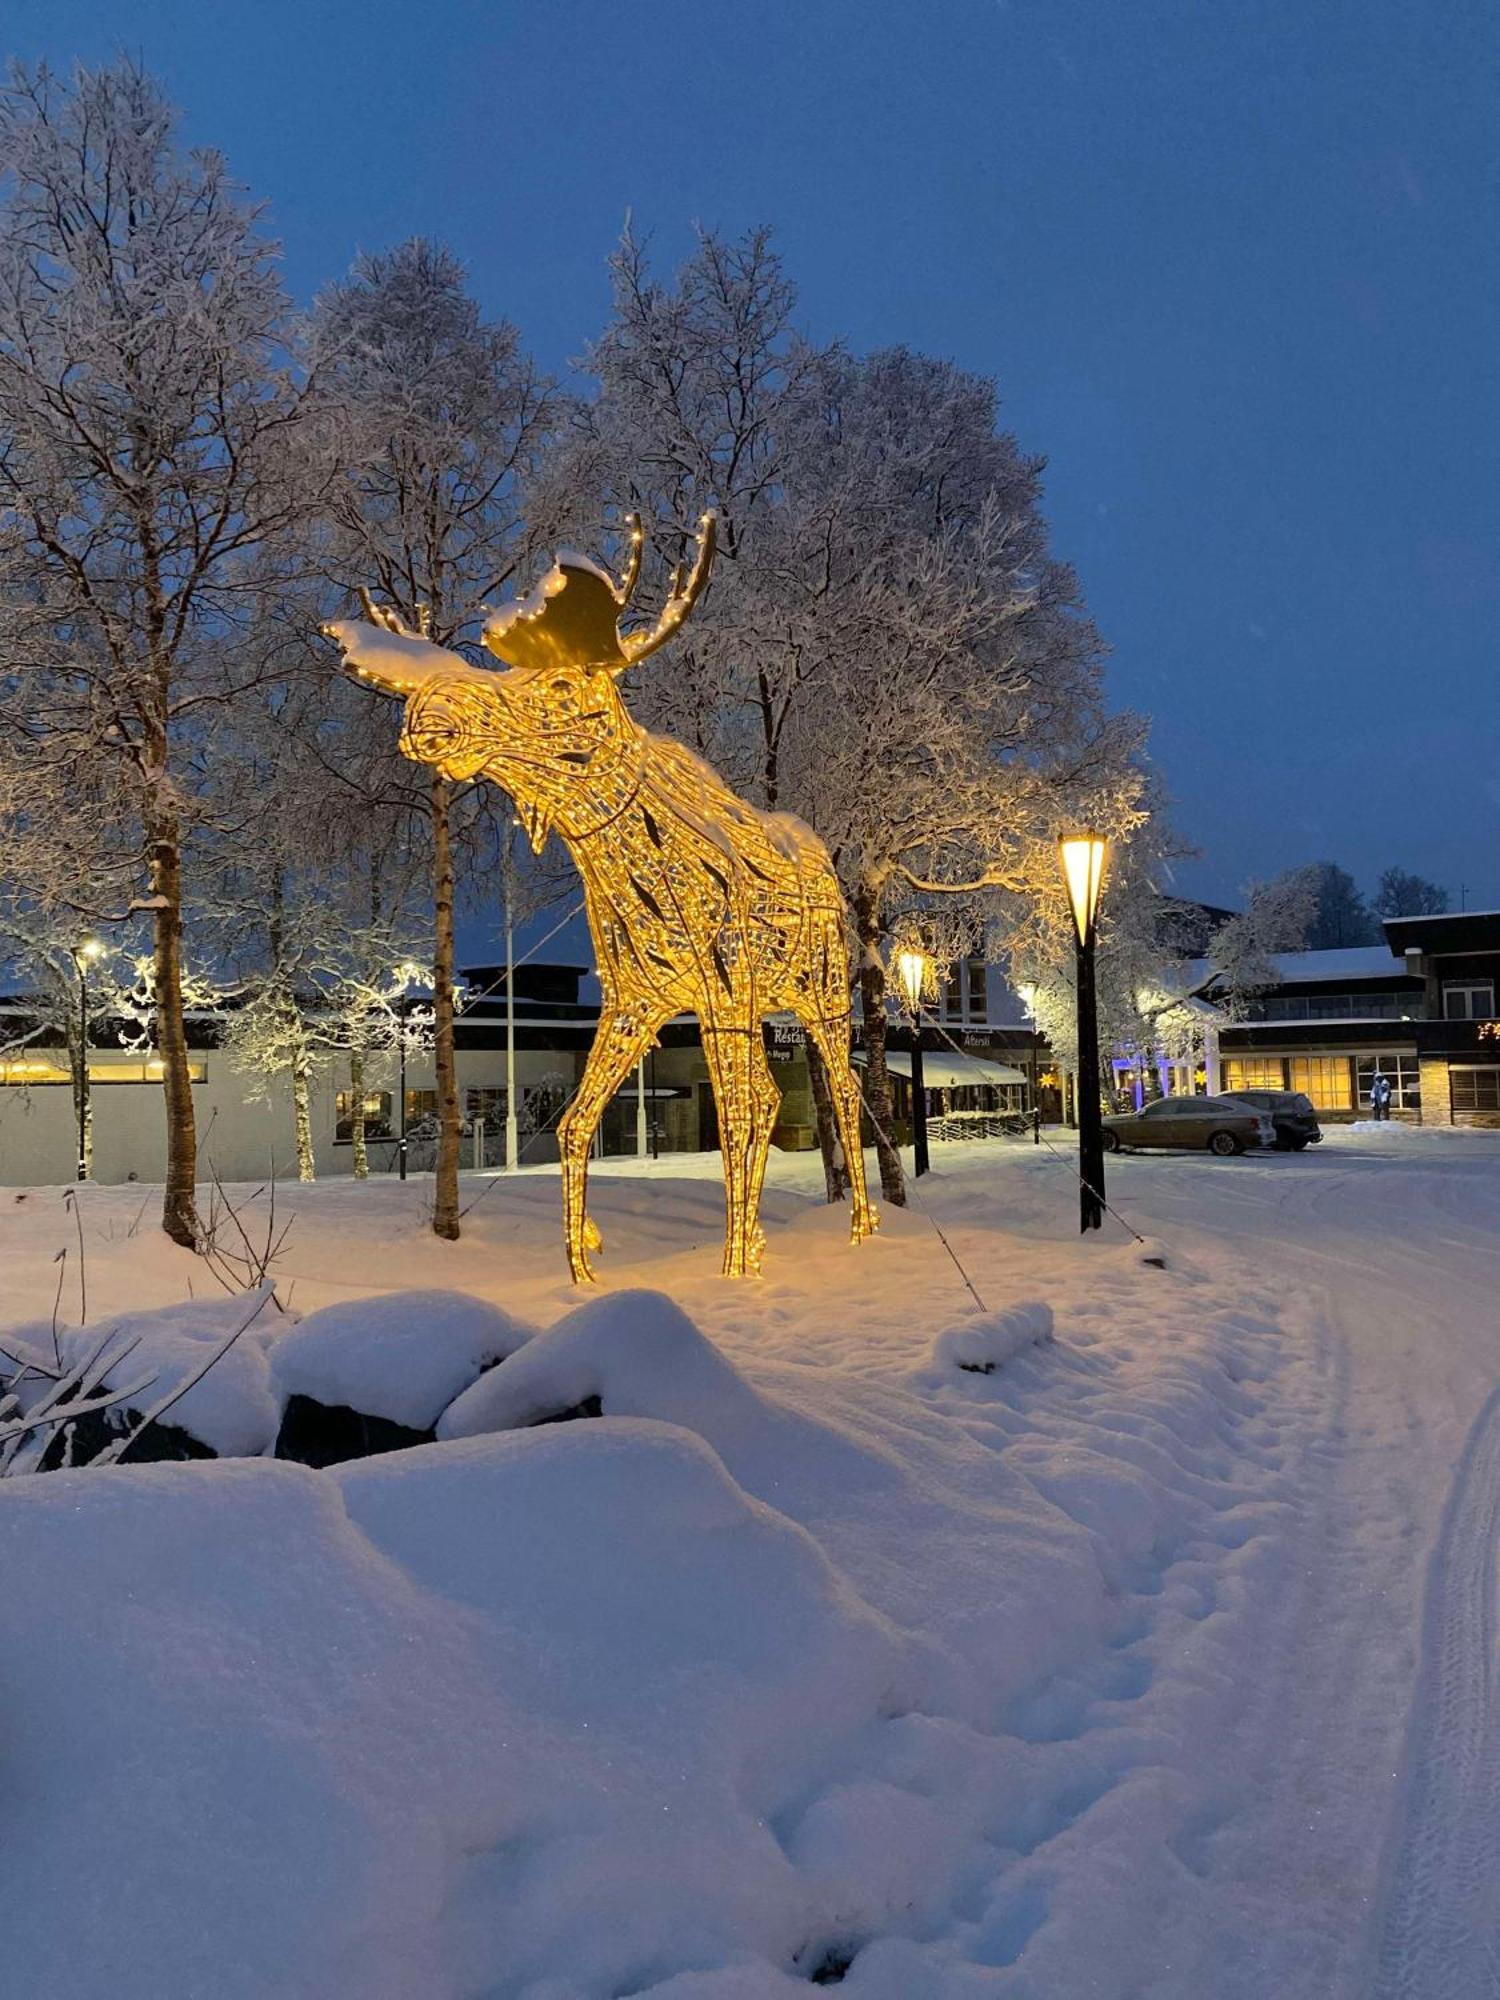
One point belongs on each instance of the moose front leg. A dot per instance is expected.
(618, 1047)
(747, 1100)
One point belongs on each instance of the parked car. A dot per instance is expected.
(1218, 1123)
(1292, 1114)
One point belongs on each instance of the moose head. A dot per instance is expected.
(551, 729)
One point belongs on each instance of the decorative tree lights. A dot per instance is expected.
(913, 972)
(696, 902)
(1082, 857)
(84, 955)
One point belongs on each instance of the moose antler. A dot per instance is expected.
(636, 645)
(632, 574)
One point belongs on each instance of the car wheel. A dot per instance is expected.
(1111, 1142)
(1225, 1144)
(1300, 1145)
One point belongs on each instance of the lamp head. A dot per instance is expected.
(1082, 856)
(90, 950)
(911, 976)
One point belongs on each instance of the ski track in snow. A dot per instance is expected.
(1442, 1906)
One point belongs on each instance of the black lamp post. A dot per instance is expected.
(911, 971)
(406, 974)
(401, 1127)
(83, 955)
(1082, 856)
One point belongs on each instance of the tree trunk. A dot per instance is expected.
(445, 1198)
(872, 1007)
(307, 1169)
(83, 1103)
(357, 1113)
(835, 1173)
(179, 1213)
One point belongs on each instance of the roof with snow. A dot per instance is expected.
(1298, 968)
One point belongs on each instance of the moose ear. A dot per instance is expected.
(538, 824)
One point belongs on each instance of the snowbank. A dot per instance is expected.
(455, 1721)
(403, 1356)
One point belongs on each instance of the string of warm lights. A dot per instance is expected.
(697, 903)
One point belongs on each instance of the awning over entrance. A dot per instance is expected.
(945, 1069)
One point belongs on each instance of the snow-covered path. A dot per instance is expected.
(1208, 1583)
(1386, 1734)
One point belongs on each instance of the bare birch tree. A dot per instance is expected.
(145, 407)
(441, 416)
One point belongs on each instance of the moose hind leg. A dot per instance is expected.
(618, 1047)
(747, 1101)
(832, 1041)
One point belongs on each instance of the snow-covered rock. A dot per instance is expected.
(231, 1409)
(639, 1355)
(402, 1356)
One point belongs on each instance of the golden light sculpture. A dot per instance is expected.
(698, 903)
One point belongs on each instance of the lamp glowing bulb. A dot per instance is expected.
(1083, 870)
(911, 975)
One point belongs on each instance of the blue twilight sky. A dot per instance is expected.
(1233, 265)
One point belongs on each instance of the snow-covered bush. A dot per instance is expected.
(188, 1380)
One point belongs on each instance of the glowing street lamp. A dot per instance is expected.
(84, 955)
(1082, 856)
(912, 971)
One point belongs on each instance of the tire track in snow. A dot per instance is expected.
(1439, 1926)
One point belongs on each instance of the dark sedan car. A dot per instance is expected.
(1218, 1124)
(1292, 1114)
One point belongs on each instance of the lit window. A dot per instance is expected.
(1252, 1073)
(102, 1069)
(377, 1115)
(33, 1069)
(1324, 1079)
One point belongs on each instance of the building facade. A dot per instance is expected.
(1419, 1009)
(980, 1070)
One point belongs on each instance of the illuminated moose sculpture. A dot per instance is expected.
(697, 903)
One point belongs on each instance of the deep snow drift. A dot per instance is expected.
(863, 1638)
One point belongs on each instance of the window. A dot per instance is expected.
(421, 1105)
(1474, 1089)
(34, 1069)
(953, 995)
(1252, 1073)
(1469, 1000)
(54, 1069)
(978, 990)
(1162, 1108)
(150, 1071)
(490, 1106)
(1405, 1076)
(377, 1116)
(1325, 1080)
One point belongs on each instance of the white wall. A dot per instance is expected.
(237, 1138)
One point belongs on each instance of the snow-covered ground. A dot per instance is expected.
(1157, 1660)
